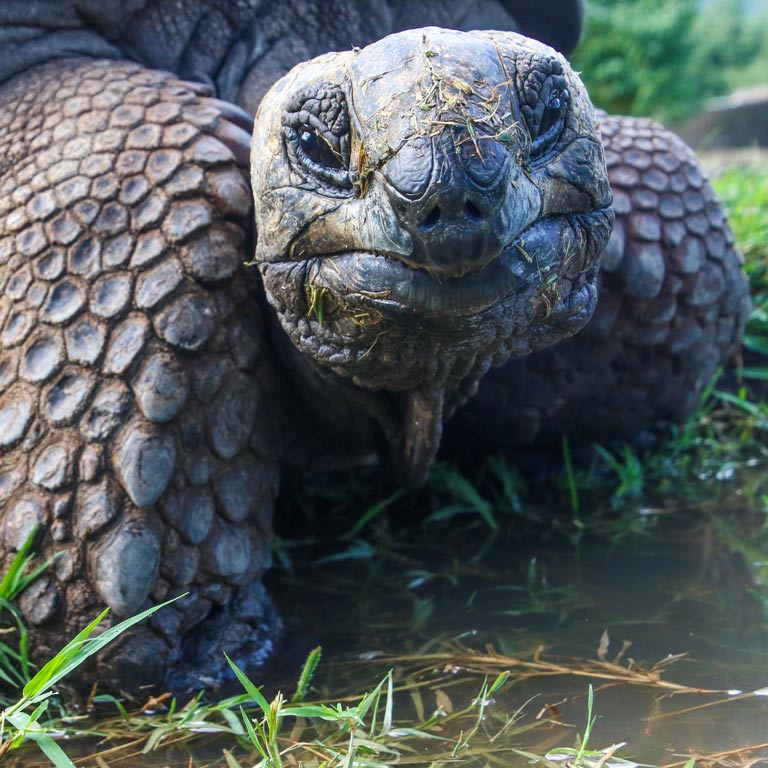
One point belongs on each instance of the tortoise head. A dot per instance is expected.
(427, 207)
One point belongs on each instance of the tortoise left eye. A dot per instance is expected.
(551, 122)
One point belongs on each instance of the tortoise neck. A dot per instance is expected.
(336, 424)
(332, 423)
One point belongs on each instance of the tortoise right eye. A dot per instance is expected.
(318, 149)
(552, 120)
(316, 134)
(318, 157)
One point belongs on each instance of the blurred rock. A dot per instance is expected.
(738, 120)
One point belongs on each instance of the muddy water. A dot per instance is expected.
(672, 593)
(677, 589)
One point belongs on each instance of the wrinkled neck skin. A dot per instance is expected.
(427, 207)
(329, 424)
(336, 424)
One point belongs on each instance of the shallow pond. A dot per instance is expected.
(649, 606)
(683, 583)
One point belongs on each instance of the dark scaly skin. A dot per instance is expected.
(673, 303)
(240, 47)
(139, 415)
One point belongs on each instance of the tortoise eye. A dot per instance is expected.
(317, 136)
(544, 104)
(551, 121)
(308, 141)
(317, 156)
(552, 113)
(318, 150)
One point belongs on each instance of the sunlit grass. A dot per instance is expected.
(744, 191)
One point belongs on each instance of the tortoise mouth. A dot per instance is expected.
(387, 281)
(379, 280)
(351, 297)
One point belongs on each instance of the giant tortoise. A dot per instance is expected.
(429, 204)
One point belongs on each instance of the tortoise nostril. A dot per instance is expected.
(431, 218)
(472, 211)
(451, 210)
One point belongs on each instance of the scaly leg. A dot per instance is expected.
(138, 426)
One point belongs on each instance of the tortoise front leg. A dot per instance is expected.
(136, 408)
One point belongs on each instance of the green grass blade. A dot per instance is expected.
(588, 727)
(760, 373)
(28, 728)
(19, 668)
(81, 648)
(233, 721)
(10, 581)
(16, 579)
(250, 688)
(371, 514)
(370, 698)
(745, 405)
(47, 674)
(756, 343)
(359, 549)
(319, 711)
(51, 749)
(464, 490)
(255, 738)
(498, 683)
(571, 478)
(386, 725)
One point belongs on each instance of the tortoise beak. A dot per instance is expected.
(449, 200)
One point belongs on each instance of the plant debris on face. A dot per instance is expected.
(415, 186)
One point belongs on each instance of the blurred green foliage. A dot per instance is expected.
(664, 57)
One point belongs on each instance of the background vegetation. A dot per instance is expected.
(665, 57)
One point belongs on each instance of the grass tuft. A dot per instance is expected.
(307, 673)
(17, 724)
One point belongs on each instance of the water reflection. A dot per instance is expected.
(648, 606)
(688, 591)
